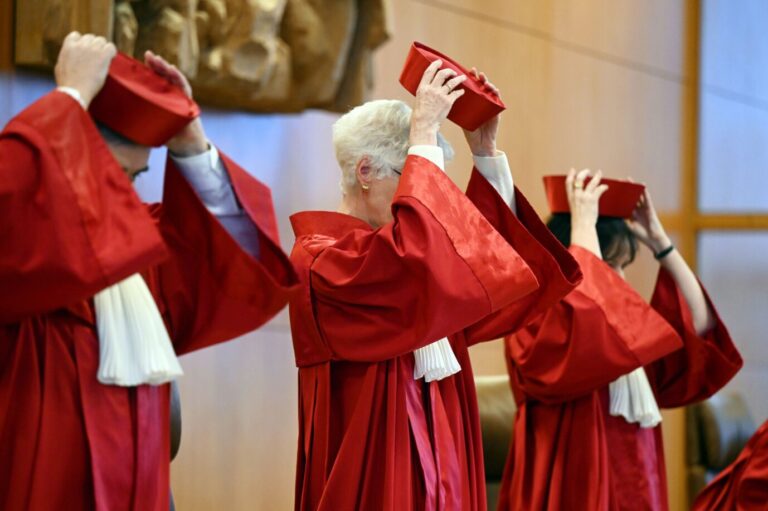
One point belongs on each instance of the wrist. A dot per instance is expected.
(423, 134)
(75, 94)
(583, 224)
(182, 149)
(190, 141)
(659, 243)
(487, 151)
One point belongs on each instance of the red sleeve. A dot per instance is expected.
(438, 267)
(211, 289)
(704, 365)
(70, 222)
(555, 269)
(600, 331)
(742, 485)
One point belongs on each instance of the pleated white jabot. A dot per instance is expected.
(134, 347)
(435, 361)
(633, 399)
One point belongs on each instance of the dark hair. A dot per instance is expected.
(613, 234)
(110, 136)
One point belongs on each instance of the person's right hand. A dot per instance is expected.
(434, 99)
(83, 64)
(584, 201)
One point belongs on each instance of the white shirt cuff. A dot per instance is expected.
(74, 94)
(495, 169)
(432, 153)
(206, 173)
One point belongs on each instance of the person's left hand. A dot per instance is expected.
(646, 226)
(482, 141)
(191, 139)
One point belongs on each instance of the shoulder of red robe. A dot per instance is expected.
(470, 111)
(140, 105)
(316, 230)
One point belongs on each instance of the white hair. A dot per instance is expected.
(378, 130)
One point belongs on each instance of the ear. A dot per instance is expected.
(364, 173)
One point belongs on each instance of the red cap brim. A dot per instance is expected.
(470, 111)
(140, 105)
(620, 200)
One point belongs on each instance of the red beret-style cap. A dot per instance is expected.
(140, 105)
(471, 110)
(620, 200)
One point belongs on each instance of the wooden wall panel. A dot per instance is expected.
(612, 30)
(6, 34)
(239, 433)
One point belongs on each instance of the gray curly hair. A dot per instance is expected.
(378, 130)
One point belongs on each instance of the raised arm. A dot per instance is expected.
(492, 190)
(70, 222)
(227, 274)
(647, 227)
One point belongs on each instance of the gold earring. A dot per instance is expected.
(366, 187)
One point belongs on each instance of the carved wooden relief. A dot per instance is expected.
(260, 55)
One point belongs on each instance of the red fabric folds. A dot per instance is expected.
(71, 224)
(568, 452)
(372, 437)
(742, 485)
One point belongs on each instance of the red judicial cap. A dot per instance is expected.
(140, 105)
(620, 200)
(476, 106)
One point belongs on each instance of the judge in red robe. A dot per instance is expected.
(742, 485)
(81, 254)
(396, 287)
(590, 375)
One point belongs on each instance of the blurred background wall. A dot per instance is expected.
(671, 93)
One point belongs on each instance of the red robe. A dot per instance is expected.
(743, 485)
(568, 452)
(370, 436)
(70, 225)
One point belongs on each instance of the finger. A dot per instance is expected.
(569, 180)
(72, 37)
(475, 73)
(430, 72)
(483, 79)
(455, 82)
(581, 176)
(594, 182)
(442, 76)
(88, 38)
(600, 190)
(453, 96)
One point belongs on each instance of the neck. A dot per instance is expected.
(353, 204)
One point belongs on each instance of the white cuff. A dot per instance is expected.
(432, 153)
(206, 173)
(201, 170)
(495, 169)
(74, 94)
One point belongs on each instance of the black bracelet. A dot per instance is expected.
(664, 253)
